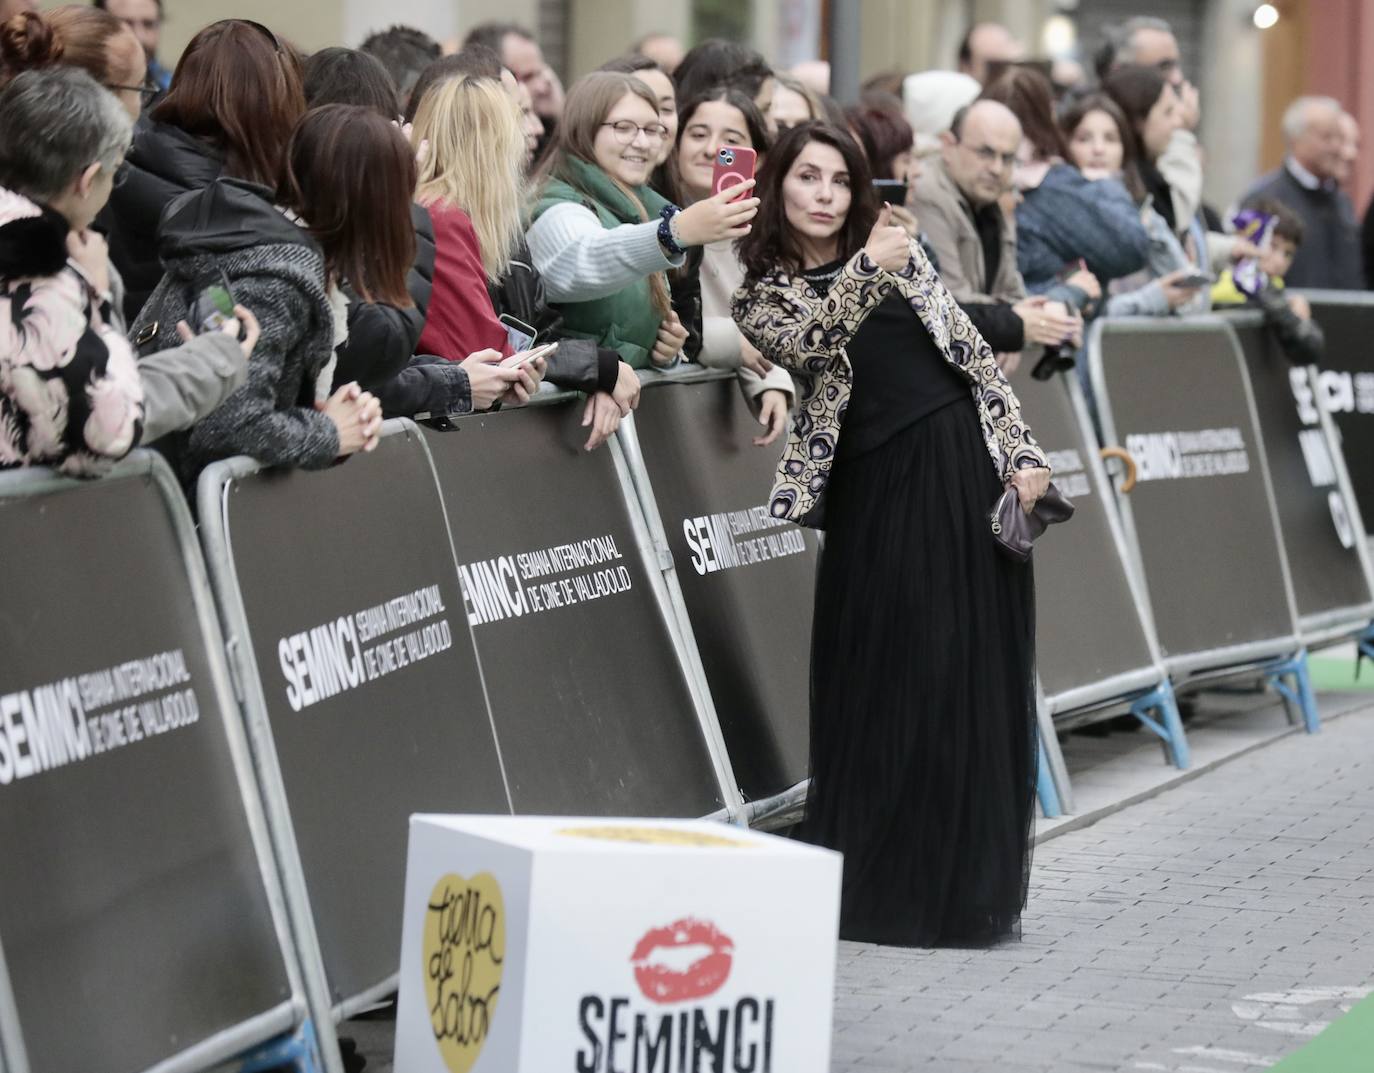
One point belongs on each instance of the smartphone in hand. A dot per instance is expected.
(524, 357)
(734, 165)
(892, 191)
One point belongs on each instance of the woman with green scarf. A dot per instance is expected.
(601, 239)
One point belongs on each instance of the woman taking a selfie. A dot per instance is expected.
(602, 239)
(923, 696)
(703, 286)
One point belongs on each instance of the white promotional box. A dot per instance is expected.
(545, 945)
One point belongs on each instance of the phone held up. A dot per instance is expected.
(892, 191)
(734, 165)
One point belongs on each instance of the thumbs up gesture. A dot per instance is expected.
(888, 245)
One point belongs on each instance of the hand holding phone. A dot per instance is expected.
(524, 357)
(892, 191)
(734, 165)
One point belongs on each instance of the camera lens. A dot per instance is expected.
(727, 158)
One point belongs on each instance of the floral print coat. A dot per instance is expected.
(805, 332)
(70, 394)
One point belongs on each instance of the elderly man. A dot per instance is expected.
(986, 45)
(957, 201)
(1307, 182)
(521, 54)
(1150, 42)
(144, 18)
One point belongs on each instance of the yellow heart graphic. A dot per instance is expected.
(464, 956)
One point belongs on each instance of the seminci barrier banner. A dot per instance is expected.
(368, 674)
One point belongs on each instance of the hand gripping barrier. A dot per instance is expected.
(1201, 523)
(593, 688)
(744, 580)
(360, 687)
(1319, 519)
(141, 918)
(1094, 646)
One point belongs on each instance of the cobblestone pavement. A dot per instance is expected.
(1212, 929)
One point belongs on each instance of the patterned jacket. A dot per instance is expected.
(805, 332)
(70, 394)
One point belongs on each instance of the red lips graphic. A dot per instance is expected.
(703, 977)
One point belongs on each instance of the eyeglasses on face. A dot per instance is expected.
(625, 131)
(146, 92)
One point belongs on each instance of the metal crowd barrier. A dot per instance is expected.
(1319, 518)
(1345, 383)
(743, 581)
(1091, 653)
(1201, 523)
(360, 685)
(594, 691)
(141, 916)
(515, 624)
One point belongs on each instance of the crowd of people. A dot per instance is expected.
(264, 253)
(395, 222)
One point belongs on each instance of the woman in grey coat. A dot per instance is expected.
(339, 223)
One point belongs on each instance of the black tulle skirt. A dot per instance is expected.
(923, 701)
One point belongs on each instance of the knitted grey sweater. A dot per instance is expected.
(275, 270)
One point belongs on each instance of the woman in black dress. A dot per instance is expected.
(922, 664)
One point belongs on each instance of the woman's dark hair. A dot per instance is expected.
(70, 35)
(883, 131)
(238, 87)
(1077, 109)
(630, 63)
(472, 61)
(670, 179)
(350, 175)
(771, 244)
(717, 62)
(1030, 96)
(347, 76)
(403, 51)
(1136, 90)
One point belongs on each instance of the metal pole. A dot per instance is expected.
(845, 38)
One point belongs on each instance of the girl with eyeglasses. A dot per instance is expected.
(602, 239)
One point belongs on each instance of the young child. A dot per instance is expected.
(1289, 316)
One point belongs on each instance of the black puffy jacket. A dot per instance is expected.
(163, 163)
(382, 337)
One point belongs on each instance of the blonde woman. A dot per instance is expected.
(472, 183)
(601, 239)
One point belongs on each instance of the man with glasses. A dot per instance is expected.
(144, 18)
(957, 201)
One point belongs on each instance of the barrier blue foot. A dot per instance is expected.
(1168, 727)
(299, 1052)
(1300, 692)
(1364, 649)
(1044, 784)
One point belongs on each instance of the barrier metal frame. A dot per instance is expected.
(639, 493)
(1227, 659)
(1353, 298)
(212, 497)
(285, 1031)
(1320, 632)
(1147, 689)
(653, 547)
(1341, 623)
